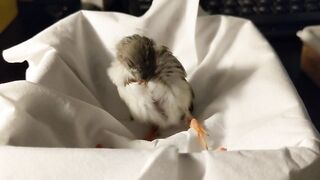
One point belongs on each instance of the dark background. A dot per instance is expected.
(34, 16)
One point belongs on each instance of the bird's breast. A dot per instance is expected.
(152, 103)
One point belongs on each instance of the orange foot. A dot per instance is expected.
(221, 149)
(152, 134)
(99, 146)
(201, 132)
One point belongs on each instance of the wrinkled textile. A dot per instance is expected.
(51, 122)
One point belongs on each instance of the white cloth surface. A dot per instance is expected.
(51, 122)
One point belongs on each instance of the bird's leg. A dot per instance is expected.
(201, 132)
(152, 133)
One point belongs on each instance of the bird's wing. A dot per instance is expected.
(171, 72)
(168, 65)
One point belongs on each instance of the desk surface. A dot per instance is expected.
(28, 24)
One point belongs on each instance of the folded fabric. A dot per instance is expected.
(51, 122)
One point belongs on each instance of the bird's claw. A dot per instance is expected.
(142, 82)
(129, 81)
(201, 132)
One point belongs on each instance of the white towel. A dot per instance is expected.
(51, 122)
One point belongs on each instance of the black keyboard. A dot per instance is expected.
(275, 18)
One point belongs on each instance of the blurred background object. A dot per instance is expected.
(310, 63)
(275, 18)
(98, 4)
(310, 57)
(278, 20)
(8, 11)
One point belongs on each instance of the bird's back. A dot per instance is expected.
(165, 100)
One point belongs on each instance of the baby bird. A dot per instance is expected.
(152, 83)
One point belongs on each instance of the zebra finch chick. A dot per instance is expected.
(152, 83)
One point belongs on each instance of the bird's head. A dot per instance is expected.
(137, 54)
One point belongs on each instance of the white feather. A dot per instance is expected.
(174, 97)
